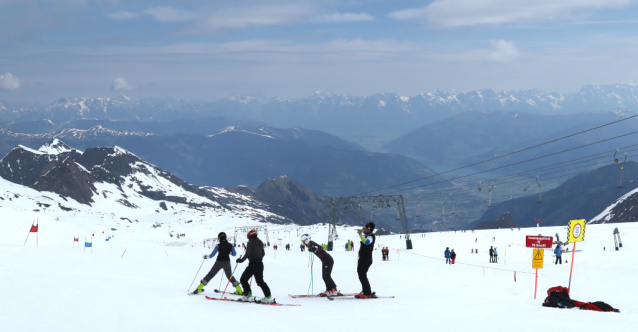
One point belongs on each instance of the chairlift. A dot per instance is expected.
(444, 205)
(525, 189)
(616, 159)
(418, 214)
(539, 190)
(479, 186)
(489, 202)
(622, 166)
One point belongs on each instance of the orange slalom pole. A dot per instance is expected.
(535, 284)
(571, 268)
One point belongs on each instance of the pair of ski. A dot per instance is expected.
(341, 296)
(255, 302)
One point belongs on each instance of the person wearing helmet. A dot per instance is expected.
(326, 265)
(255, 254)
(365, 259)
(224, 249)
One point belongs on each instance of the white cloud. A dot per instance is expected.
(170, 14)
(251, 17)
(503, 51)
(457, 13)
(122, 15)
(9, 82)
(120, 84)
(343, 17)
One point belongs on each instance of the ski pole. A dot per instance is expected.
(221, 277)
(231, 276)
(200, 267)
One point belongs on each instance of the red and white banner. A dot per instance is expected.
(539, 242)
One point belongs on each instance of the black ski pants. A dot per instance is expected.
(362, 271)
(255, 268)
(326, 270)
(559, 259)
(218, 266)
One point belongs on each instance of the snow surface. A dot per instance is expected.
(138, 280)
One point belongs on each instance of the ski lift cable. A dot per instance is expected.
(514, 164)
(534, 170)
(508, 186)
(505, 155)
(517, 181)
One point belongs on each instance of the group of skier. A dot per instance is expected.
(255, 254)
(385, 253)
(450, 256)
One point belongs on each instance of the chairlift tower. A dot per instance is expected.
(382, 200)
(617, 239)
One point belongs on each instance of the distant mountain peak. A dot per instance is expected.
(54, 147)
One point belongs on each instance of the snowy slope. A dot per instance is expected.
(138, 280)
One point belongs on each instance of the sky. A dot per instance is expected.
(206, 50)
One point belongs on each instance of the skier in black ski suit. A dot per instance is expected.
(254, 253)
(223, 262)
(326, 265)
(365, 259)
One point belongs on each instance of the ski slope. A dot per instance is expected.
(138, 280)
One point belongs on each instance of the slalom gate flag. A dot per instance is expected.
(34, 229)
(76, 239)
(88, 244)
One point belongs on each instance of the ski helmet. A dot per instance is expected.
(370, 226)
(221, 236)
(305, 238)
(252, 234)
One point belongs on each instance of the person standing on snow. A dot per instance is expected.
(447, 255)
(223, 262)
(326, 265)
(491, 255)
(365, 259)
(559, 254)
(452, 256)
(255, 254)
(495, 255)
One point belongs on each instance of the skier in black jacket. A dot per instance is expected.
(224, 249)
(365, 259)
(326, 265)
(254, 253)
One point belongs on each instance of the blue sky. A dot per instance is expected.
(206, 50)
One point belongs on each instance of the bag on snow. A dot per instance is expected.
(558, 297)
(598, 306)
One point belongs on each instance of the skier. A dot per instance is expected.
(491, 255)
(326, 264)
(365, 259)
(387, 254)
(223, 262)
(351, 245)
(447, 255)
(301, 247)
(559, 253)
(254, 253)
(495, 255)
(453, 256)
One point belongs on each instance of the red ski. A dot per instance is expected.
(255, 302)
(317, 295)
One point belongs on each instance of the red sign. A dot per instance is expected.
(539, 242)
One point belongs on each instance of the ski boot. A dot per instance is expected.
(238, 290)
(363, 296)
(268, 300)
(247, 298)
(200, 288)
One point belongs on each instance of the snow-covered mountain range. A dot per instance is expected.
(107, 179)
(388, 112)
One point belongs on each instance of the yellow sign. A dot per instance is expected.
(576, 230)
(537, 258)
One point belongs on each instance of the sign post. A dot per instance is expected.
(539, 243)
(575, 233)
